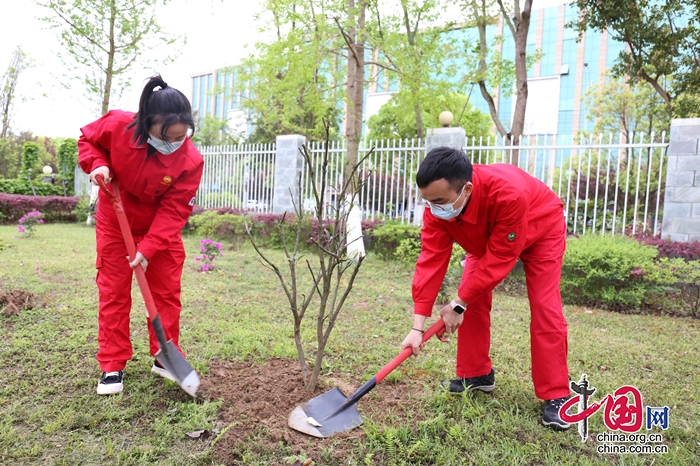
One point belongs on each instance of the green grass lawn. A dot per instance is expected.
(50, 414)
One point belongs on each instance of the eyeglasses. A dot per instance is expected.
(448, 203)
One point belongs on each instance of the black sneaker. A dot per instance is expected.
(551, 418)
(161, 371)
(485, 383)
(111, 383)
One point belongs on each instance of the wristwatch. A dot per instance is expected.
(458, 308)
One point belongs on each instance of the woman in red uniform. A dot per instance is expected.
(157, 169)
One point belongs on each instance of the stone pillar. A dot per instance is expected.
(449, 137)
(438, 137)
(681, 216)
(288, 164)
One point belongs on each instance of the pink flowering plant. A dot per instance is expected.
(210, 250)
(28, 222)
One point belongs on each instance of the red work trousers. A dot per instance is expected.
(542, 262)
(114, 279)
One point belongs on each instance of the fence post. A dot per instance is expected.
(681, 216)
(288, 164)
(456, 138)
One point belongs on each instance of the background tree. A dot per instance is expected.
(8, 87)
(620, 107)
(30, 159)
(415, 46)
(483, 13)
(67, 159)
(103, 39)
(290, 85)
(662, 38)
(354, 33)
(397, 120)
(213, 131)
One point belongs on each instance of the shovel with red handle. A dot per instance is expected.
(334, 412)
(168, 355)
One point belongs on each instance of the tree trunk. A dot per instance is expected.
(355, 85)
(480, 17)
(522, 25)
(110, 60)
(419, 122)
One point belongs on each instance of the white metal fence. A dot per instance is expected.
(239, 177)
(609, 184)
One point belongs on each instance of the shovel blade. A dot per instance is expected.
(318, 417)
(174, 362)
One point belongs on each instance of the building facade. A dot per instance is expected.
(557, 83)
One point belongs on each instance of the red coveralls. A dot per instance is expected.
(510, 214)
(158, 194)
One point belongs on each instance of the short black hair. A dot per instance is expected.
(445, 162)
(160, 104)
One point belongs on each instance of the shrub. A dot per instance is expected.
(672, 249)
(67, 158)
(30, 157)
(387, 238)
(28, 222)
(80, 212)
(54, 208)
(22, 186)
(228, 224)
(615, 272)
(684, 276)
(210, 251)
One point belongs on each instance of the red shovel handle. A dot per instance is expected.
(116, 201)
(437, 328)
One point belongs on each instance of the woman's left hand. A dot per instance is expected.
(140, 259)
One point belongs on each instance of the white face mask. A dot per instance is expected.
(164, 147)
(446, 211)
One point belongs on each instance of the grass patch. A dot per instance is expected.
(49, 411)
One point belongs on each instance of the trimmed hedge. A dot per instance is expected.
(54, 208)
(21, 186)
(228, 224)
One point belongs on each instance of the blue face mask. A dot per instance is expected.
(446, 211)
(164, 147)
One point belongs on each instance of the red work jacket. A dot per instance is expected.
(508, 211)
(157, 191)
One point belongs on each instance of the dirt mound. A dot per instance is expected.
(12, 302)
(258, 398)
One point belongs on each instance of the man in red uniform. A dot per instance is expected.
(497, 213)
(158, 170)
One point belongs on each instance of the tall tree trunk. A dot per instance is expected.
(110, 59)
(419, 122)
(355, 84)
(522, 25)
(481, 20)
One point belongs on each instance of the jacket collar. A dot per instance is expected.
(166, 160)
(472, 210)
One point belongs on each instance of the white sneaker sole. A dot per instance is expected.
(109, 388)
(163, 373)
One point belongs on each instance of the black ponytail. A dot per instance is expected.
(160, 104)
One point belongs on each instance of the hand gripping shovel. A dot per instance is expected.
(334, 412)
(168, 355)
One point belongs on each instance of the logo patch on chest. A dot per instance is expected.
(166, 180)
(511, 237)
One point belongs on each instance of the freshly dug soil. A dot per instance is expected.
(12, 302)
(259, 397)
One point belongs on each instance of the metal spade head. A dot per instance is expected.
(181, 370)
(320, 417)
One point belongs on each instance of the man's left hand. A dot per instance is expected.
(140, 259)
(451, 318)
